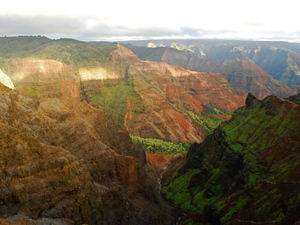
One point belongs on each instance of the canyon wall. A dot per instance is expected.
(246, 171)
(73, 162)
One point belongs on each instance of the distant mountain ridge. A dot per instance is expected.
(279, 59)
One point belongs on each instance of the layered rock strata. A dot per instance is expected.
(73, 162)
(167, 92)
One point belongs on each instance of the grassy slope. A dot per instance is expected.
(72, 52)
(251, 155)
(111, 97)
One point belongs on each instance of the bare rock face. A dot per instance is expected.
(4, 79)
(250, 77)
(41, 78)
(72, 162)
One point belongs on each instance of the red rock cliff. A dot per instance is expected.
(168, 91)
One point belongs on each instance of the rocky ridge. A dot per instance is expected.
(241, 72)
(246, 171)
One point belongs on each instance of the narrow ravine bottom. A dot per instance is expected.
(179, 218)
(183, 214)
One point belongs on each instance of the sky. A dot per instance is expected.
(116, 20)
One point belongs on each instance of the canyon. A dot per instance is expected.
(149, 99)
(69, 110)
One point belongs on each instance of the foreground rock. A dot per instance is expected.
(72, 162)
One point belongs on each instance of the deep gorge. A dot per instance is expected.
(92, 134)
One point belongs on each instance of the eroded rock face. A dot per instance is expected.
(167, 91)
(40, 180)
(73, 162)
(250, 77)
(279, 59)
(242, 66)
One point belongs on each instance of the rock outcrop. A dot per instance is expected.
(246, 171)
(5, 80)
(73, 162)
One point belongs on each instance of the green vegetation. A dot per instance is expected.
(75, 52)
(159, 146)
(211, 119)
(247, 158)
(179, 192)
(295, 99)
(72, 52)
(112, 96)
(239, 204)
(22, 46)
(208, 123)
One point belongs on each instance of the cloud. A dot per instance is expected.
(104, 27)
(84, 28)
(15, 24)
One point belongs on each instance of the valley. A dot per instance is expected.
(144, 132)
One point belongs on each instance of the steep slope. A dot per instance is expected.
(167, 92)
(243, 74)
(247, 171)
(73, 162)
(251, 78)
(42, 78)
(40, 180)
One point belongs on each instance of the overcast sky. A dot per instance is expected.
(132, 19)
